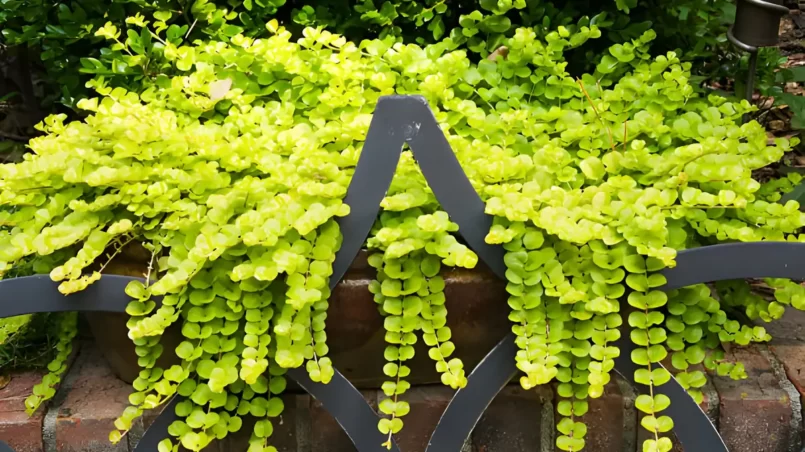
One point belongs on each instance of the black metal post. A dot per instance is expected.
(757, 24)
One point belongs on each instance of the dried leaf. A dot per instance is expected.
(502, 51)
(219, 88)
(776, 125)
(4, 381)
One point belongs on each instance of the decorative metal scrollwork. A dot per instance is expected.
(694, 266)
(40, 294)
(400, 120)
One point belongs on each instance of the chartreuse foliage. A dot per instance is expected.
(410, 291)
(233, 171)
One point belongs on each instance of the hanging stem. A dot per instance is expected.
(592, 104)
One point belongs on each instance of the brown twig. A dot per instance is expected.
(118, 247)
(625, 134)
(501, 51)
(14, 137)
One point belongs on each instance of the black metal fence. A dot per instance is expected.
(400, 120)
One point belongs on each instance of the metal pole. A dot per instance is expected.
(750, 80)
(757, 24)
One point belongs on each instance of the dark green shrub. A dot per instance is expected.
(64, 34)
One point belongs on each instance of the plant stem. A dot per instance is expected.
(14, 137)
(592, 104)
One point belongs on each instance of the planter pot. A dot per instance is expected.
(111, 335)
(110, 331)
(477, 314)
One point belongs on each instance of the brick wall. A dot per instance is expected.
(760, 414)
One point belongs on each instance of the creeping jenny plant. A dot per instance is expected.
(232, 173)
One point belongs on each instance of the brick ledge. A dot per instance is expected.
(760, 414)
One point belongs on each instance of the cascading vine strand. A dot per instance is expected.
(410, 294)
(231, 166)
(46, 389)
(401, 321)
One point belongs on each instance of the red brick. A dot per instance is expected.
(290, 428)
(477, 315)
(605, 420)
(427, 406)
(21, 432)
(709, 405)
(325, 433)
(754, 414)
(94, 398)
(512, 421)
(788, 345)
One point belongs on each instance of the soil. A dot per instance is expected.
(792, 46)
(777, 119)
(19, 103)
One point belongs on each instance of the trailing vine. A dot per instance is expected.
(26, 331)
(410, 294)
(231, 168)
(46, 389)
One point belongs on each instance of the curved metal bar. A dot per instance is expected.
(371, 180)
(469, 403)
(694, 266)
(692, 425)
(739, 44)
(35, 294)
(399, 120)
(450, 184)
(158, 430)
(342, 400)
(736, 261)
(346, 404)
(694, 429)
(779, 9)
(38, 293)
